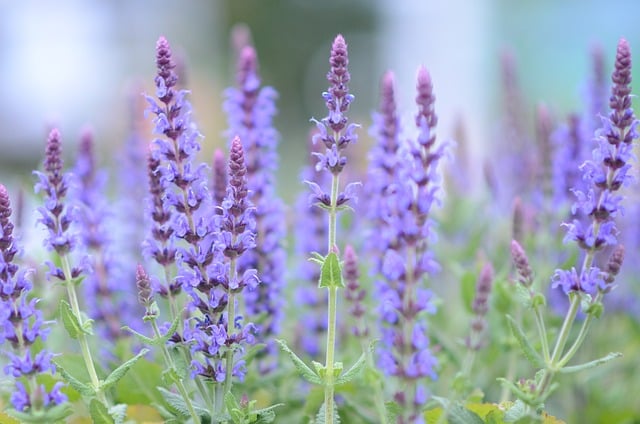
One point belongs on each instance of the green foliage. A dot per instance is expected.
(100, 413)
(304, 370)
(50, 415)
(331, 272)
(71, 323)
(528, 350)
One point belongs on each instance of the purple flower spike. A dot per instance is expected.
(250, 109)
(23, 324)
(477, 339)
(604, 175)
(55, 215)
(404, 194)
(334, 130)
(107, 296)
(219, 183)
(354, 293)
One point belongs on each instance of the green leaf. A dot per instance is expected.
(458, 414)
(517, 411)
(118, 412)
(99, 413)
(234, 408)
(266, 415)
(69, 320)
(592, 364)
(142, 338)
(317, 258)
(302, 368)
(331, 272)
(82, 388)
(180, 409)
(357, 367)
(51, 415)
(393, 410)
(119, 372)
(321, 416)
(528, 350)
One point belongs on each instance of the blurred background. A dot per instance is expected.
(74, 63)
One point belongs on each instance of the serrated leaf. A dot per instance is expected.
(357, 367)
(267, 415)
(99, 413)
(591, 364)
(179, 407)
(331, 272)
(304, 370)
(69, 320)
(393, 410)
(119, 372)
(513, 388)
(528, 350)
(458, 414)
(317, 258)
(54, 414)
(141, 337)
(231, 403)
(118, 413)
(180, 362)
(321, 415)
(517, 411)
(82, 388)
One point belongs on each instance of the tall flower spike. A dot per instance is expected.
(250, 109)
(605, 174)
(338, 99)
(407, 260)
(310, 232)
(55, 215)
(22, 325)
(354, 293)
(107, 296)
(476, 340)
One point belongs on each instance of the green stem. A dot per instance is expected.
(542, 333)
(332, 307)
(586, 324)
(331, 343)
(178, 381)
(231, 317)
(563, 336)
(82, 339)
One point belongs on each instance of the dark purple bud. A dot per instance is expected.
(483, 290)
(615, 263)
(53, 156)
(425, 101)
(518, 220)
(237, 170)
(521, 262)
(143, 283)
(166, 78)
(247, 66)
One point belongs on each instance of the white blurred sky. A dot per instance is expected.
(70, 62)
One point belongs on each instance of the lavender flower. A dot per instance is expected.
(55, 215)
(606, 173)
(22, 325)
(337, 99)
(355, 294)
(310, 228)
(106, 295)
(250, 109)
(412, 191)
(219, 181)
(476, 340)
(215, 335)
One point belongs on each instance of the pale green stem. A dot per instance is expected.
(332, 308)
(82, 339)
(542, 333)
(563, 336)
(586, 324)
(378, 395)
(169, 361)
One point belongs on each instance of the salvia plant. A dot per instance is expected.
(188, 292)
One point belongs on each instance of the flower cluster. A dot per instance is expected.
(106, 295)
(22, 324)
(250, 109)
(605, 174)
(216, 334)
(409, 193)
(334, 130)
